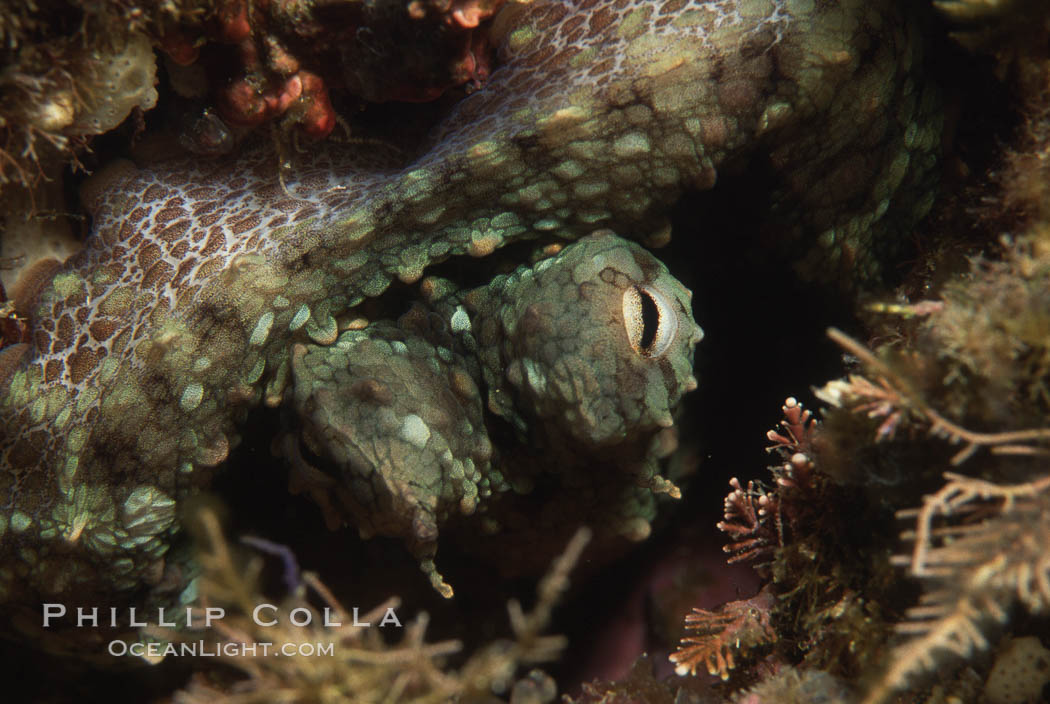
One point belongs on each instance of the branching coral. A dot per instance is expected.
(362, 666)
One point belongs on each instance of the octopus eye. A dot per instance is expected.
(650, 321)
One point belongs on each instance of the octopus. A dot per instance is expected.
(209, 287)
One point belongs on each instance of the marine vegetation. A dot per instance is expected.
(977, 546)
(72, 71)
(868, 597)
(364, 666)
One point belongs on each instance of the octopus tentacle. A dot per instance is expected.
(148, 347)
(394, 412)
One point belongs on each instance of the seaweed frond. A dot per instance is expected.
(755, 518)
(893, 399)
(751, 522)
(764, 522)
(352, 662)
(738, 626)
(980, 548)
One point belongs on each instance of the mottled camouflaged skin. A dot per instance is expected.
(200, 276)
(393, 436)
(396, 412)
(556, 349)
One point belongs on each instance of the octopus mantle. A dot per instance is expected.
(202, 276)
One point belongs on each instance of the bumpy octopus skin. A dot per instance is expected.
(204, 283)
(591, 350)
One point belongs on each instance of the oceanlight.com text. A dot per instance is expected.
(205, 649)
